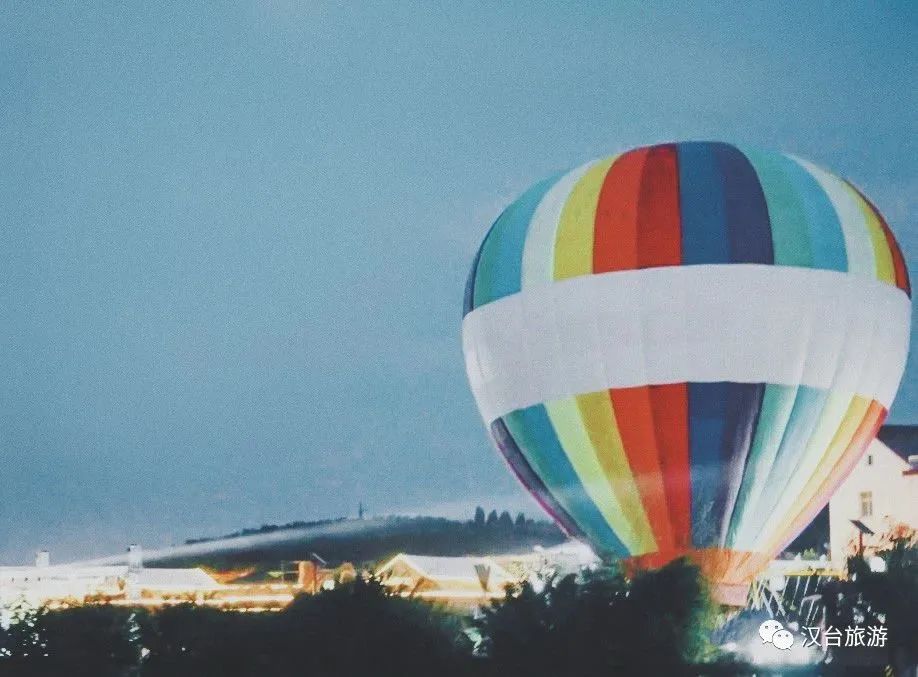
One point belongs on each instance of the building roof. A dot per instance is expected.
(60, 572)
(186, 579)
(448, 567)
(902, 439)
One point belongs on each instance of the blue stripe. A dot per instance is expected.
(744, 404)
(468, 301)
(500, 265)
(770, 427)
(722, 423)
(748, 227)
(707, 406)
(701, 205)
(536, 438)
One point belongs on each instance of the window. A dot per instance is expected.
(869, 459)
(866, 503)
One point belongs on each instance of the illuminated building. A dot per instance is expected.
(881, 493)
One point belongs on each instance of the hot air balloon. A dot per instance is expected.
(682, 350)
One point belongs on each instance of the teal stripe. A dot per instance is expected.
(499, 271)
(789, 234)
(808, 405)
(777, 405)
(827, 240)
(534, 435)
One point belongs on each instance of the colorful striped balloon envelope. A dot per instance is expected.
(684, 349)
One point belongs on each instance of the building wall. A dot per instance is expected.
(878, 475)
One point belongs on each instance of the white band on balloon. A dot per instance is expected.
(745, 323)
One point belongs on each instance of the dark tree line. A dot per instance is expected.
(569, 628)
(658, 623)
(503, 522)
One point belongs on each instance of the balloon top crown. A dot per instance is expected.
(681, 204)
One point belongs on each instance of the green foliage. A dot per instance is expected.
(656, 624)
(90, 640)
(872, 598)
(505, 522)
(187, 640)
(355, 629)
(362, 629)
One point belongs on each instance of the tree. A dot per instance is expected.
(520, 522)
(505, 522)
(361, 629)
(656, 624)
(192, 641)
(89, 640)
(479, 517)
(888, 598)
(492, 519)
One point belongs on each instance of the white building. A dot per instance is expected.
(881, 492)
(44, 584)
(454, 580)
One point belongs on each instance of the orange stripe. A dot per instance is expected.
(729, 572)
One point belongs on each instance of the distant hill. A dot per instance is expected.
(367, 542)
(363, 542)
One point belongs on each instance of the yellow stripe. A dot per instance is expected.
(574, 239)
(852, 419)
(598, 416)
(565, 419)
(886, 270)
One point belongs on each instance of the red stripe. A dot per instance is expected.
(660, 244)
(615, 248)
(633, 413)
(659, 231)
(637, 226)
(615, 244)
(670, 418)
(902, 281)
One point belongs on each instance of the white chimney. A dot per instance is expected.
(135, 556)
(913, 461)
(42, 559)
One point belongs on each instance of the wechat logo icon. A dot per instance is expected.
(772, 632)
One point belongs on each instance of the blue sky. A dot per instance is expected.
(233, 240)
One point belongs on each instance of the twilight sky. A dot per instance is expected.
(233, 240)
